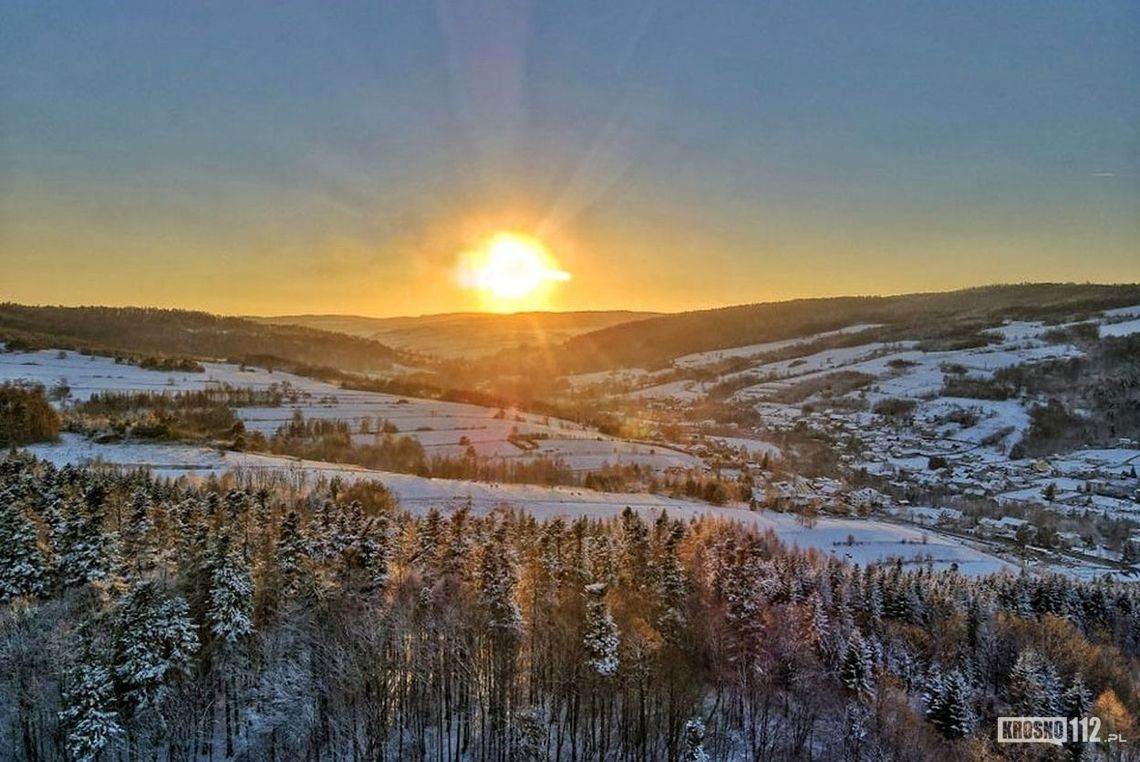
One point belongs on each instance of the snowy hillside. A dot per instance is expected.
(438, 425)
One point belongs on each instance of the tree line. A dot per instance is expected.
(165, 620)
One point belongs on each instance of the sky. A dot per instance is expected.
(338, 157)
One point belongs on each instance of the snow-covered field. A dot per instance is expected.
(858, 540)
(1124, 328)
(438, 425)
(752, 350)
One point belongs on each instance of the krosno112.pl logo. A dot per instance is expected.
(1054, 730)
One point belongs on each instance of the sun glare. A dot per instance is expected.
(511, 271)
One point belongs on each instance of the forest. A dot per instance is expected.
(165, 339)
(272, 618)
(947, 319)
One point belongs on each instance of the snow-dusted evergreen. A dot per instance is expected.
(601, 634)
(89, 718)
(230, 607)
(949, 705)
(1034, 687)
(22, 564)
(154, 644)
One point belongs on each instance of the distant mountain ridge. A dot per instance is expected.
(572, 342)
(466, 334)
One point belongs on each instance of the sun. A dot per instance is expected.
(511, 271)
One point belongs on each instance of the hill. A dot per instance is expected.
(135, 332)
(465, 334)
(654, 342)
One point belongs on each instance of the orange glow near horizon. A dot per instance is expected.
(510, 272)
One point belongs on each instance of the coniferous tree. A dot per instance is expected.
(949, 706)
(291, 554)
(85, 553)
(1034, 688)
(818, 626)
(1078, 701)
(497, 581)
(22, 564)
(89, 718)
(1078, 698)
(230, 608)
(857, 666)
(373, 550)
(155, 642)
(137, 548)
(856, 718)
(601, 633)
(671, 584)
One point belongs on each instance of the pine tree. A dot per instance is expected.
(230, 609)
(155, 642)
(291, 554)
(601, 636)
(429, 532)
(856, 718)
(85, 553)
(856, 670)
(321, 532)
(22, 564)
(456, 551)
(138, 551)
(55, 525)
(948, 704)
(817, 625)
(671, 584)
(635, 571)
(1078, 701)
(1034, 689)
(89, 717)
(374, 548)
(1129, 554)
(497, 581)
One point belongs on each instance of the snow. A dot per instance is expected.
(1117, 458)
(1121, 312)
(881, 542)
(626, 376)
(438, 425)
(705, 358)
(167, 460)
(1126, 328)
(823, 362)
(758, 448)
(679, 390)
(875, 541)
(925, 515)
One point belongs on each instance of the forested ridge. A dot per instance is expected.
(137, 331)
(275, 619)
(653, 342)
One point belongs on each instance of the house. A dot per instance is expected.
(1006, 526)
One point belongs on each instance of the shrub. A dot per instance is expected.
(895, 408)
(25, 415)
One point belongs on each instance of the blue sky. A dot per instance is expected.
(335, 157)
